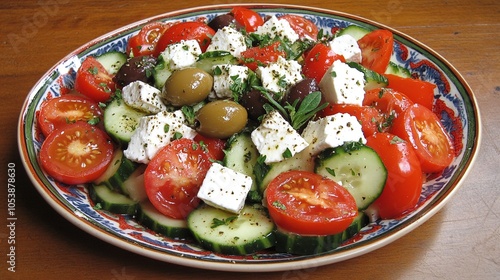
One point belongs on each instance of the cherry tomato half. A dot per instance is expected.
(93, 81)
(376, 49)
(213, 146)
(318, 60)
(174, 176)
(404, 175)
(261, 56)
(422, 128)
(248, 18)
(307, 203)
(69, 108)
(189, 30)
(144, 43)
(418, 91)
(302, 26)
(389, 103)
(76, 153)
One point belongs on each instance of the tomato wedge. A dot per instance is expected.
(145, 41)
(307, 203)
(189, 30)
(76, 153)
(213, 146)
(69, 108)
(302, 26)
(418, 91)
(93, 81)
(174, 176)
(404, 176)
(248, 18)
(376, 49)
(261, 56)
(369, 117)
(318, 60)
(389, 103)
(422, 128)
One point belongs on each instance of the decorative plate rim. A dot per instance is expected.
(84, 223)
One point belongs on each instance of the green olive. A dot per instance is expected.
(187, 86)
(221, 119)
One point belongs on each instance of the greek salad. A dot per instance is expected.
(247, 133)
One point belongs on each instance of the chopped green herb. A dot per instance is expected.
(220, 222)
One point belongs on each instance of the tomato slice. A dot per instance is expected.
(248, 18)
(369, 117)
(214, 146)
(174, 176)
(189, 30)
(318, 60)
(422, 128)
(261, 56)
(404, 176)
(418, 91)
(76, 153)
(69, 108)
(376, 49)
(389, 103)
(93, 81)
(302, 26)
(307, 203)
(145, 41)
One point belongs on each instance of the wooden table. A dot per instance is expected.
(462, 241)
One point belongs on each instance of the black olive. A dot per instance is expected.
(254, 102)
(300, 90)
(139, 68)
(221, 21)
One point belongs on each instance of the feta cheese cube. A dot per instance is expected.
(155, 132)
(332, 131)
(228, 39)
(182, 54)
(275, 137)
(143, 97)
(346, 46)
(225, 188)
(275, 27)
(226, 78)
(342, 84)
(280, 75)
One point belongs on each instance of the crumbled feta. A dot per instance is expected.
(279, 76)
(143, 97)
(182, 54)
(342, 84)
(228, 39)
(332, 131)
(346, 46)
(225, 188)
(275, 27)
(227, 78)
(155, 132)
(275, 137)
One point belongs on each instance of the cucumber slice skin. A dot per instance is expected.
(397, 70)
(118, 171)
(360, 170)
(210, 59)
(357, 32)
(109, 200)
(112, 61)
(293, 243)
(373, 79)
(152, 219)
(250, 231)
(121, 120)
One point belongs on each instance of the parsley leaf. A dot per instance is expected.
(220, 222)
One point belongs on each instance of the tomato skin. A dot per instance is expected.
(423, 130)
(307, 203)
(85, 154)
(174, 176)
(256, 56)
(214, 146)
(369, 117)
(144, 42)
(318, 60)
(302, 26)
(248, 18)
(376, 49)
(418, 91)
(189, 30)
(389, 103)
(93, 81)
(404, 175)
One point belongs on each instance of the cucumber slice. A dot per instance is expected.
(149, 217)
(397, 70)
(293, 243)
(354, 30)
(208, 60)
(161, 72)
(372, 79)
(357, 167)
(134, 185)
(112, 61)
(241, 155)
(111, 201)
(226, 233)
(117, 172)
(121, 120)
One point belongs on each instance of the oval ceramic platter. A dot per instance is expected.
(455, 103)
